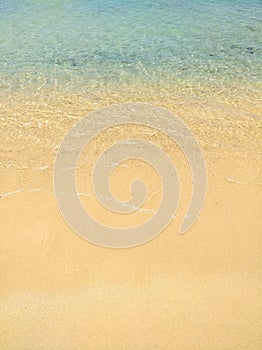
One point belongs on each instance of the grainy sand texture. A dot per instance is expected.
(201, 290)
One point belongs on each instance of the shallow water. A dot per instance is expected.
(60, 60)
(197, 47)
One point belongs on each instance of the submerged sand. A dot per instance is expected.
(201, 290)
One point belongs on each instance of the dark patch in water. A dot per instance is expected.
(74, 64)
(251, 50)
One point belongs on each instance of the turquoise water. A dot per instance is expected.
(81, 45)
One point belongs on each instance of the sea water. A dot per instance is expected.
(78, 46)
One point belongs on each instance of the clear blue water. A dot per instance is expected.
(86, 44)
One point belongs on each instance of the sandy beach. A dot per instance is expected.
(201, 62)
(199, 290)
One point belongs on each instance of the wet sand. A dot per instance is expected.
(201, 290)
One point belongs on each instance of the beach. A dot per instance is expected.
(59, 291)
(198, 290)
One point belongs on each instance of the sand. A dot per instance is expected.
(201, 290)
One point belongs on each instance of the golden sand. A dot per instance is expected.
(201, 290)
